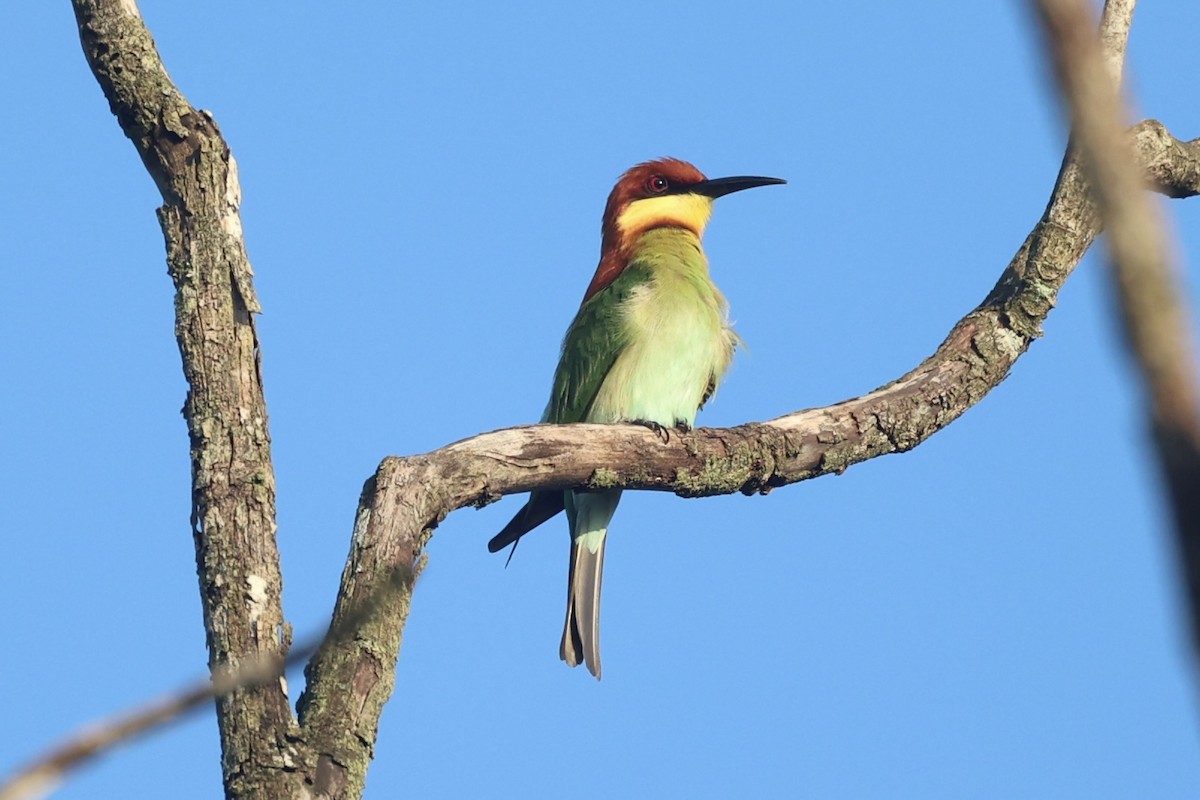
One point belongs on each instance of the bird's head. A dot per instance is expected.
(664, 193)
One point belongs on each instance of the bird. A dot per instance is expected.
(649, 345)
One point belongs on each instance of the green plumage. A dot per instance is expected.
(651, 346)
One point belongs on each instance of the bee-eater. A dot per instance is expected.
(649, 345)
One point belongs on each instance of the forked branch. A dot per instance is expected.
(326, 751)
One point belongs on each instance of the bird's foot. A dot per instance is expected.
(660, 430)
(682, 426)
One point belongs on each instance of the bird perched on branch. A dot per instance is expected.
(649, 345)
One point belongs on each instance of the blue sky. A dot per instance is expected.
(992, 615)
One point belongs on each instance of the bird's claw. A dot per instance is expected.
(661, 431)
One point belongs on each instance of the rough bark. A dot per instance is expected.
(326, 752)
(407, 498)
(233, 483)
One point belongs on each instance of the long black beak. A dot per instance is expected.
(719, 187)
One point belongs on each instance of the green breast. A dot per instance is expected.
(648, 346)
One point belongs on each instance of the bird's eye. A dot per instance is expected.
(657, 184)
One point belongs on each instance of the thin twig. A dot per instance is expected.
(45, 772)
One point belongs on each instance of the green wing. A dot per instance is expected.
(595, 339)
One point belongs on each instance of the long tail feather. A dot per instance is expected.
(589, 514)
(581, 633)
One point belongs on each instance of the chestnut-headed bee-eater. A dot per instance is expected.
(649, 345)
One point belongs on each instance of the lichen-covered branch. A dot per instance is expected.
(1169, 166)
(408, 497)
(325, 753)
(233, 483)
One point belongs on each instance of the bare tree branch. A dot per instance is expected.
(45, 772)
(233, 482)
(408, 497)
(1169, 166)
(267, 753)
(1157, 327)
